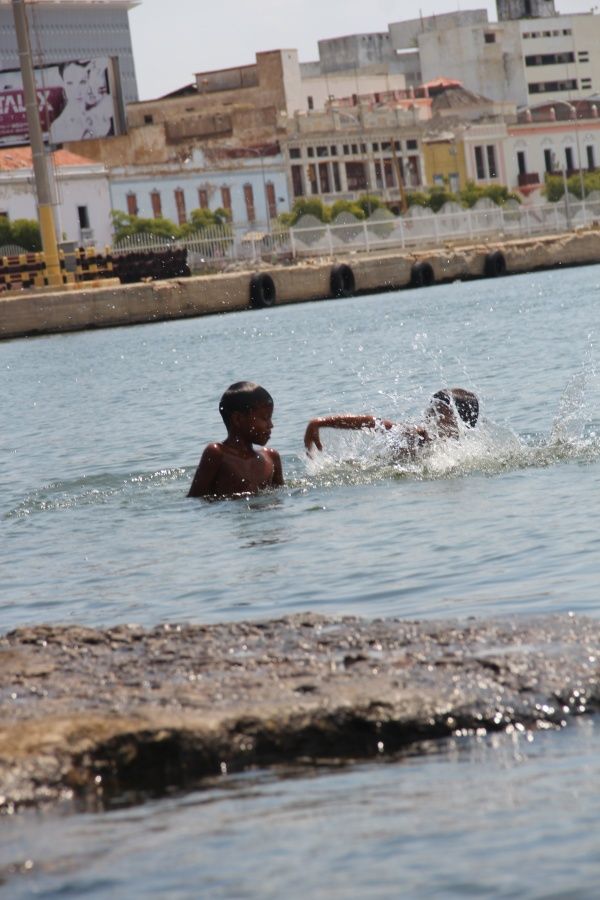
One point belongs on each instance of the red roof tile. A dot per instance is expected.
(20, 158)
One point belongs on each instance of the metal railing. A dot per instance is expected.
(220, 246)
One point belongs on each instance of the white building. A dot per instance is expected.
(526, 60)
(73, 29)
(552, 138)
(83, 194)
(251, 186)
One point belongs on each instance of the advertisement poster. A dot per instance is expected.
(76, 102)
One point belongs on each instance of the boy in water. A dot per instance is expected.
(235, 466)
(441, 421)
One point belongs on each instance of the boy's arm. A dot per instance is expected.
(278, 480)
(207, 471)
(339, 420)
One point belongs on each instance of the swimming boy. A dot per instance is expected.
(441, 421)
(234, 466)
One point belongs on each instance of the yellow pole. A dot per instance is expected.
(40, 163)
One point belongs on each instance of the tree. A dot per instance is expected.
(205, 218)
(126, 225)
(346, 206)
(306, 206)
(26, 233)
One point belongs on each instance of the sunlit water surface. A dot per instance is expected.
(100, 438)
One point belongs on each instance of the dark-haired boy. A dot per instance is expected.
(446, 407)
(234, 466)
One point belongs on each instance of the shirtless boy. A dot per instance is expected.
(441, 421)
(234, 466)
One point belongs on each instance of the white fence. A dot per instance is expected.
(217, 247)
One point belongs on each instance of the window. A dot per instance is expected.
(411, 145)
(336, 176)
(156, 204)
(346, 149)
(310, 152)
(549, 59)
(586, 84)
(398, 146)
(591, 157)
(355, 149)
(548, 161)
(569, 163)
(378, 175)
(203, 198)
(386, 146)
(180, 205)
(297, 186)
(84, 217)
(310, 102)
(389, 175)
(489, 37)
(375, 148)
(583, 56)
(521, 162)
(333, 150)
(546, 87)
(271, 199)
(294, 152)
(491, 161)
(226, 199)
(479, 164)
(322, 151)
(132, 207)
(249, 201)
(356, 176)
(324, 178)
(311, 173)
(148, 119)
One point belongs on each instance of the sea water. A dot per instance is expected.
(100, 438)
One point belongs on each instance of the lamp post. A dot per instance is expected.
(41, 172)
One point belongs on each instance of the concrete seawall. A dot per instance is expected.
(27, 314)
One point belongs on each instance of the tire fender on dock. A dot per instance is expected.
(341, 281)
(494, 265)
(422, 275)
(262, 291)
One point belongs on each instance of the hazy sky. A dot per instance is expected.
(172, 39)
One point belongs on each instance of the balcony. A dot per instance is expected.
(529, 179)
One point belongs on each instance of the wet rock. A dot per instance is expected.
(88, 713)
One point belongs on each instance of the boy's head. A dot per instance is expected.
(465, 402)
(242, 399)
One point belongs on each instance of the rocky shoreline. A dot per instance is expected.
(92, 713)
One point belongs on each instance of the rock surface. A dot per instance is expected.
(91, 713)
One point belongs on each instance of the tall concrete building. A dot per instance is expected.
(73, 29)
(524, 9)
(521, 58)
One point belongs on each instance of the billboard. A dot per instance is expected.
(77, 100)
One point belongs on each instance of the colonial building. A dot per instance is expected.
(348, 151)
(249, 183)
(83, 195)
(557, 138)
(74, 29)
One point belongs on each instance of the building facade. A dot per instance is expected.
(83, 202)
(74, 29)
(343, 153)
(524, 60)
(250, 186)
(552, 139)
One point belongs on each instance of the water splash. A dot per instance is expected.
(369, 455)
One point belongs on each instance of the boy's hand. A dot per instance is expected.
(311, 436)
